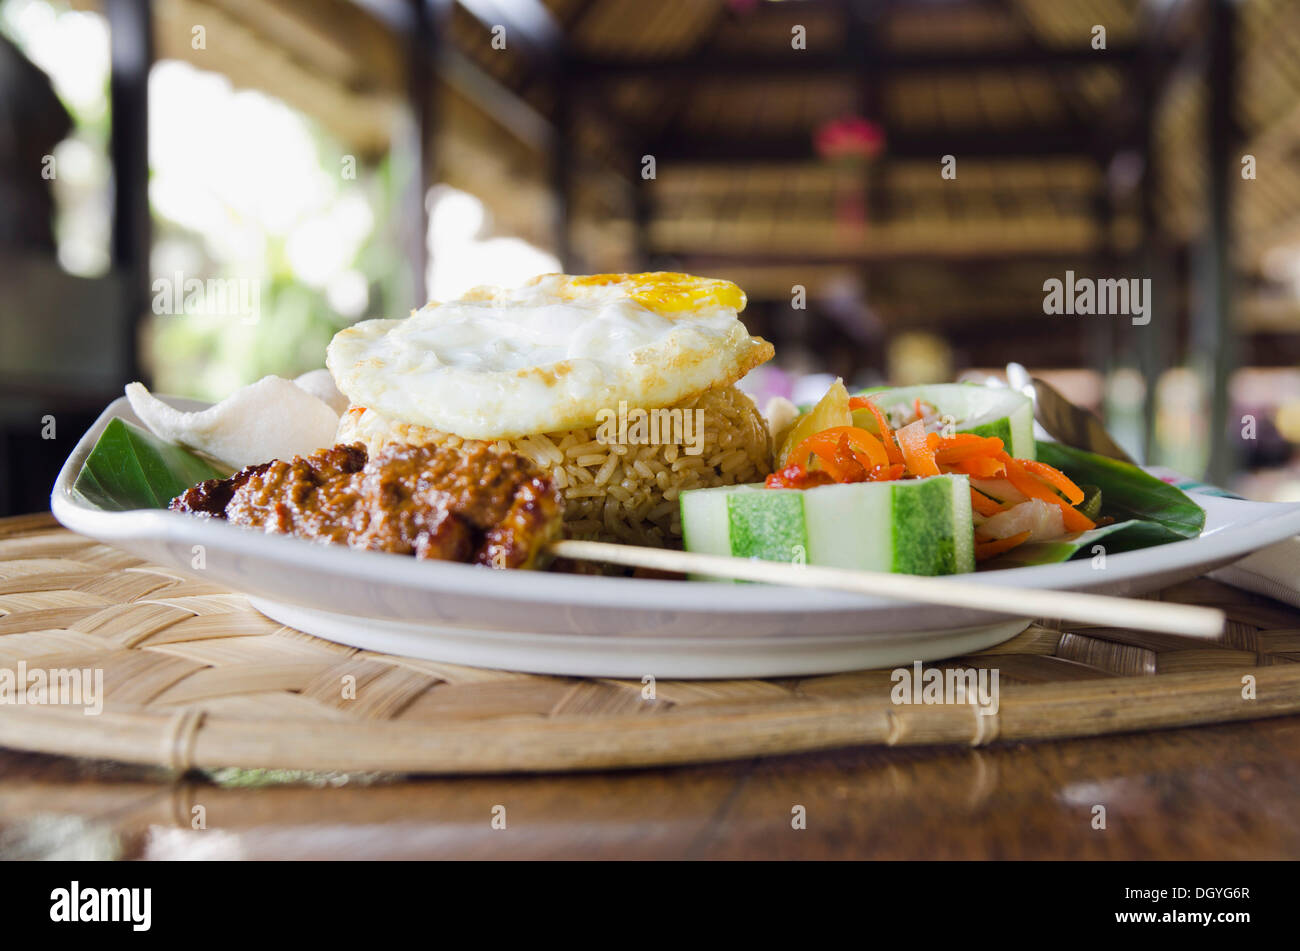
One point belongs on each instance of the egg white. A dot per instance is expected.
(548, 356)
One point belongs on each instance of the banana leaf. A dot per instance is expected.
(1147, 511)
(130, 468)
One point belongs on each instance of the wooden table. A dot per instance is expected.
(1222, 792)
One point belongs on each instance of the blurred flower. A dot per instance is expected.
(849, 138)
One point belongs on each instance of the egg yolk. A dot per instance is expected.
(667, 293)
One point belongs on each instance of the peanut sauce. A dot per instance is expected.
(483, 506)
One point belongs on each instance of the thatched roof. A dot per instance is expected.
(1043, 126)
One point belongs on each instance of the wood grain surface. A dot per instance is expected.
(1221, 792)
(1225, 791)
(194, 676)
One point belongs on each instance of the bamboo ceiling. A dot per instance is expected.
(739, 185)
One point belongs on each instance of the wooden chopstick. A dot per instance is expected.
(1093, 609)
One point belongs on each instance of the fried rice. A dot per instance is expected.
(620, 491)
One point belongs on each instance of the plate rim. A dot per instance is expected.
(598, 591)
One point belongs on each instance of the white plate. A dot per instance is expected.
(617, 627)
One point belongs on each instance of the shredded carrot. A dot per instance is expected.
(1075, 520)
(964, 443)
(886, 433)
(956, 448)
(986, 550)
(1019, 475)
(1039, 480)
(917, 454)
(827, 452)
(853, 454)
(988, 443)
(980, 467)
(870, 452)
(983, 504)
(887, 473)
(848, 453)
(1026, 483)
(1055, 478)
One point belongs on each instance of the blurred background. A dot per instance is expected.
(197, 193)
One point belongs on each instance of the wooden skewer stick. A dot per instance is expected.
(1094, 609)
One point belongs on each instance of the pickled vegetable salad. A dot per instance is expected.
(898, 435)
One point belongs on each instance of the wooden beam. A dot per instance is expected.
(643, 213)
(1212, 331)
(1154, 258)
(973, 259)
(130, 24)
(1271, 349)
(1072, 140)
(862, 28)
(735, 68)
(529, 25)
(562, 159)
(425, 45)
(506, 107)
(397, 15)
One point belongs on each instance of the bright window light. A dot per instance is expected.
(460, 257)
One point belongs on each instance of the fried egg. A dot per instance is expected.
(550, 355)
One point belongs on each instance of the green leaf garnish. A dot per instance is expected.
(1129, 493)
(130, 468)
(1147, 511)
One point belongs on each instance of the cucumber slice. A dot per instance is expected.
(981, 410)
(914, 526)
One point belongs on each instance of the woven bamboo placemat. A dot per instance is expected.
(193, 676)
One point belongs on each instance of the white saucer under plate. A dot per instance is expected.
(617, 627)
